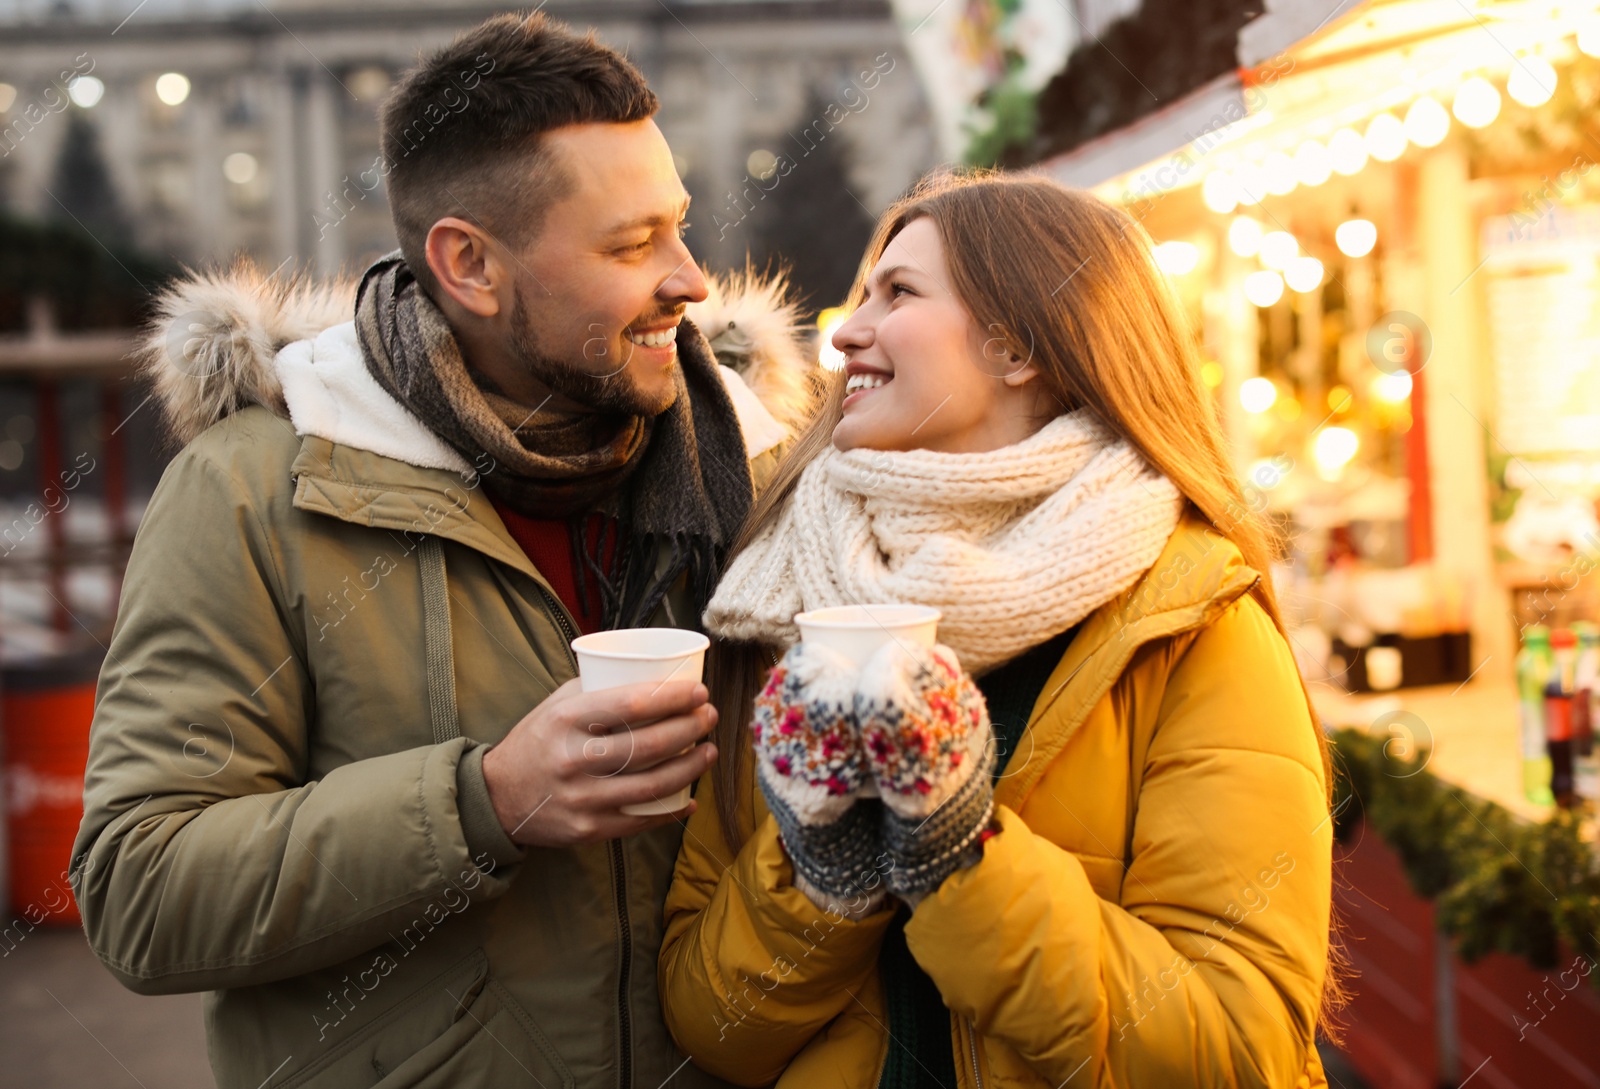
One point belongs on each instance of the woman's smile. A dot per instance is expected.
(863, 380)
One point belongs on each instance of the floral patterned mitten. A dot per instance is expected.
(808, 760)
(925, 728)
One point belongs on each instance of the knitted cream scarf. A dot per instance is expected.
(1014, 546)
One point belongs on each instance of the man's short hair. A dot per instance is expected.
(461, 132)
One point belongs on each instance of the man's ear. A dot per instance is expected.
(466, 265)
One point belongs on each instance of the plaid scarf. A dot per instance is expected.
(678, 483)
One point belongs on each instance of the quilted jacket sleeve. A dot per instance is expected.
(750, 968)
(206, 859)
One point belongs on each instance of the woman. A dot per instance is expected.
(1100, 853)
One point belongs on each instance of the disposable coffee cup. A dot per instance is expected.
(860, 631)
(610, 659)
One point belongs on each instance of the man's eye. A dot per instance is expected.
(683, 228)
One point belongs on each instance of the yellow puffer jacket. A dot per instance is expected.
(1154, 912)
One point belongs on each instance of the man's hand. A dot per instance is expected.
(563, 773)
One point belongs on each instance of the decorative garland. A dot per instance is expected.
(1174, 46)
(1529, 137)
(1155, 55)
(1499, 883)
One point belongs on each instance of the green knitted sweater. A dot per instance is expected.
(921, 1052)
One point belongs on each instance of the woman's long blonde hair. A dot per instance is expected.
(1068, 282)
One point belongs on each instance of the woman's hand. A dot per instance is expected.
(925, 728)
(809, 763)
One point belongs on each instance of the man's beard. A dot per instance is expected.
(611, 391)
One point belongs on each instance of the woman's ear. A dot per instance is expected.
(1020, 374)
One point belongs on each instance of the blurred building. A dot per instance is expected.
(244, 128)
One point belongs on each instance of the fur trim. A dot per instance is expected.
(753, 327)
(210, 348)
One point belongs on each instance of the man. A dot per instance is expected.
(340, 774)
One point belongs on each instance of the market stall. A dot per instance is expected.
(1386, 229)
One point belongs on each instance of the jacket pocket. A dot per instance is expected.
(451, 1016)
(493, 1045)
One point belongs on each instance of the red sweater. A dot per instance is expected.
(546, 542)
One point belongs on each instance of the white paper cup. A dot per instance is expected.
(860, 631)
(609, 659)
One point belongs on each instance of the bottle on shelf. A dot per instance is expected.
(1585, 704)
(1558, 715)
(1534, 666)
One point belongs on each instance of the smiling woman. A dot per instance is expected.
(909, 311)
(1060, 796)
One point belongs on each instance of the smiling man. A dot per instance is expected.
(341, 775)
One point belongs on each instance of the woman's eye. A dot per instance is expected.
(895, 289)
(683, 228)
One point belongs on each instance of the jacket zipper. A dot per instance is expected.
(619, 881)
(972, 1049)
(625, 1029)
(559, 611)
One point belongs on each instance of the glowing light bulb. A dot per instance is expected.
(1347, 152)
(1589, 36)
(1257, 394)
(1278, 171)
(1219, 192)
(1176, 258)
(172, 88)
(1266, 473)
(828, 322)
(1303, 274)
(1312, 164)
(86, 91)
(1250, 184)
(240, 167)
(1477, 103)
(1532, 81)
(1355, 237)
(1244, 236)
(1393, 388)
(1386, 138)
(1427, 123)
(761, 163)
(1263, 288)
(1334, 448)
(1278, 248)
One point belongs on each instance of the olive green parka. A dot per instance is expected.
(324, 626)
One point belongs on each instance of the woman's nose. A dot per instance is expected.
(855, 332)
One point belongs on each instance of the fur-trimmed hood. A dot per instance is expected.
(226, 339)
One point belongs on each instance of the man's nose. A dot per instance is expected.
(686, 283)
